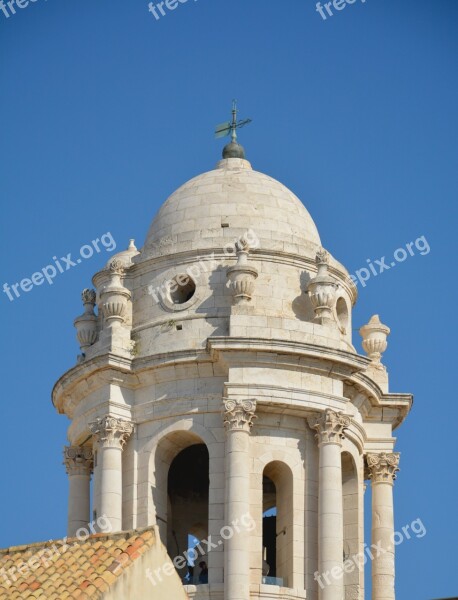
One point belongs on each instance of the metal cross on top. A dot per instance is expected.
(230, 127)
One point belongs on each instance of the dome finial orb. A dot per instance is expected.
(233, 150)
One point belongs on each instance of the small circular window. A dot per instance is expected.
(182, 288)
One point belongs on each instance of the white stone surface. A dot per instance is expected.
(166, 369)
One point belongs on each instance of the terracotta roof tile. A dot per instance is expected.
(71, 568)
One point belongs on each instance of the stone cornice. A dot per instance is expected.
(287, 397)
(368, 398)
(106, 369)
(332, 361)
(375, 405)
(340, 363)
(114, 366)
(270, 399)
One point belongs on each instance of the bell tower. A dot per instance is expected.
(219, 396)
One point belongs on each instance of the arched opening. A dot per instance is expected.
(269, 530)
(179, 478)
(342, 314)
(351, 526)
(187, 520)
(277, 524)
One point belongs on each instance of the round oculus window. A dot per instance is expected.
(182, 289)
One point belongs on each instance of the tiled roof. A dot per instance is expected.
(70, 568)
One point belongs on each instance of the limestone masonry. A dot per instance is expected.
(218, 379)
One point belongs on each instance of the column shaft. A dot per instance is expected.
(383, 469)
(79, 504)
(237, 547)
(109, 463)
(329, 427)
(238, 419)
(78, 462)
(330, 521)
(110, 433)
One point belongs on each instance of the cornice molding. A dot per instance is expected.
(368, 398)
(348, 361)
(374, 404)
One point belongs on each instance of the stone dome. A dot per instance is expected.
(227, 201)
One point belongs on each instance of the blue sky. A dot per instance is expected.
(106, 110)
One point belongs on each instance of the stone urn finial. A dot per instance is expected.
(242, 275)
(322, 290)
(115, 296)
(322, 258)
(86, 324)
(374, 336)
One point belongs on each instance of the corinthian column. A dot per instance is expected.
(78, 464)
(239, 415)
(382, 472)
(330, 427)
(110, 434)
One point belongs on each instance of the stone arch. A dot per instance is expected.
(289, 457)
(284, 465)
(187, 492)
(281, 540)
(163, 440)
(155, 460)
(167, 450)
(351, 521)
(343, 314)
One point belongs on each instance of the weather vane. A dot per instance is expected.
(230, 127)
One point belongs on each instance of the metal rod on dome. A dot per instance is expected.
(234, 121)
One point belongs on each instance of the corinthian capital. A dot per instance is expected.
(239, 414)
(111, 431)
(78, 460)
(383, 467)
(329, 426)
